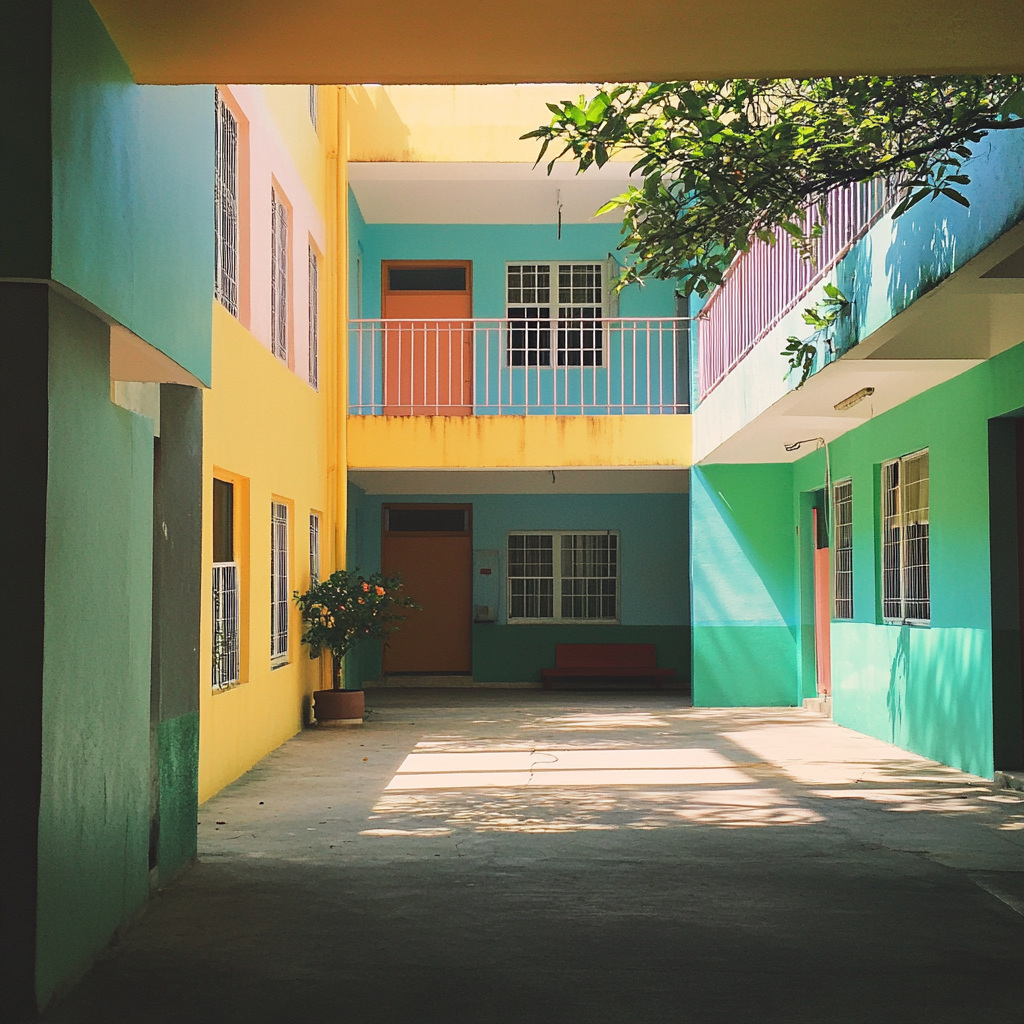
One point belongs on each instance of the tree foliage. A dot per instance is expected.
(724, 163)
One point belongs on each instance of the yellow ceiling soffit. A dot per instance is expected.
(474, 42)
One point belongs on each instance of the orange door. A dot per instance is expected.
(428, 346)
(822, 610)
(437, 566)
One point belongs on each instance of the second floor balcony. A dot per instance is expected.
(542, 365)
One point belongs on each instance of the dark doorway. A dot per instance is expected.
(822, 604)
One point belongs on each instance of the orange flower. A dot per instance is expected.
(366, 586)
(380, 591)
(361, 601)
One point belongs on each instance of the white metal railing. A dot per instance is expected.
(493, 367)
(225, 625)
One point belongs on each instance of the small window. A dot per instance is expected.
(843, 527)
(314, 319)
(426, 520)
(427, 279)
(225, 206)
(279, 597)
(226, 660)
(279, 277)
(314, 548)
(906, 584)
(314, 94)
(562, 576)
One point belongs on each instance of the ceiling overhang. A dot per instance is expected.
(556, 480)
(468, 42)
(485, 193)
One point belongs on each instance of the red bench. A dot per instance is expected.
(606, 661)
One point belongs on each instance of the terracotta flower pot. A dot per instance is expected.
(338, 707)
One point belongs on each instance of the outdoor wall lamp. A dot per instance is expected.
(857, 396)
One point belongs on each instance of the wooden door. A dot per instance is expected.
(822, 608)
(432, 547)
(428, 343)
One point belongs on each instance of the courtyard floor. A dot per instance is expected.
(526, 857)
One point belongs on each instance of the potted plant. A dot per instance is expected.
(340, 612)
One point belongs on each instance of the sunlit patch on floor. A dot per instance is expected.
(598, 720)
(933, 800)
(561, 767)
(422, 833)
(552, 810)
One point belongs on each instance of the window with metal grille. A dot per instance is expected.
(579, 290)
(313, 105)
(581, 584)
(314, 319)
(278, 277)
(842, 524)
(314, 548)
(580, 294)
(225, 588)
(279, 598)
(906, 585)
(225, 206)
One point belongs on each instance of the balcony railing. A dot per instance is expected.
(519, 367)
(766, 282)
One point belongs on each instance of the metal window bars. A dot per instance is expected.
(314, 548)
(225, 204)
(842, 500)
(225, 625)
(278, 277)
(590, 576)
(314, 319)
(518, 366)
(279, 597)
(906, 580)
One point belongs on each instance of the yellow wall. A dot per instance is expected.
(520, 442)
(454, 123)
(267, 428)
(289, 108)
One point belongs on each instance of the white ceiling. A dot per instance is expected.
(526, 481)
(485, 193)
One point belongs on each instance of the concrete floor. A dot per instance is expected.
(530, 857)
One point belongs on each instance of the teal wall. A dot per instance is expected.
(654, 596)
(132, 191)
(95, 799)
(490, 247)
(926, 689)
(743, 567)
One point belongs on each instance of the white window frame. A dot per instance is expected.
(550, 326)
(842, 556)
(280, 599)
(314, 106)
(314, 318)
(225, 206)
(278, 276)
(906, 562)
(314, 548)
(557, 578)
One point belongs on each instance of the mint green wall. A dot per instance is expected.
(654, 596)
(743, 573)
(927, 689)
(132, 191)
(95, 799)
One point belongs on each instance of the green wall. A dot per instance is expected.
(743, 575)
(926, 689)
(95, 800)
(132, 191)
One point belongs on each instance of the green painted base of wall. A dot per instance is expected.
(178, 744)
(926, 690)
(516, 654)
(744, 666)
